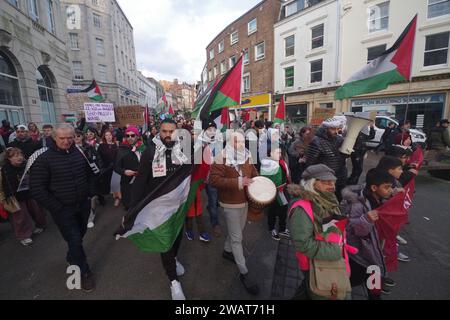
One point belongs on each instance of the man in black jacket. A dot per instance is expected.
(324, 149)
(359, 153)
(61, 181)
(160, 161)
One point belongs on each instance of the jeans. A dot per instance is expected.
(213, 204)
(72, 224)
(168, 259)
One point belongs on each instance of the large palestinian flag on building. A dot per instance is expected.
(214, 104)
(394, 65)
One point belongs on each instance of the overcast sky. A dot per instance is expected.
(171, 35)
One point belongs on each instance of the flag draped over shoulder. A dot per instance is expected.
(222, 95)
(154, 224)
(394, 65)
(393, 214)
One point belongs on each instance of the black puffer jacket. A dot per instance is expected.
(61, 178)
(28, 146)
(325, 150)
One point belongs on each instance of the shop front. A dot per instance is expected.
(423, 110)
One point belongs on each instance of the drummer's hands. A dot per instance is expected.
(246, 181)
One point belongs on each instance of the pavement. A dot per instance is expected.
(124, 273)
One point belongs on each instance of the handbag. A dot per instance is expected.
(329, 279)
(11, 204)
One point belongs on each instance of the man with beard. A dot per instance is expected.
(324, 149)
(159, 161)
(24, 142)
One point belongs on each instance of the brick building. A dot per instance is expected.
(253, 34)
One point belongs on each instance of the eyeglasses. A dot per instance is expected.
(131, 136)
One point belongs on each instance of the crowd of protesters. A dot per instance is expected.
(68, 171)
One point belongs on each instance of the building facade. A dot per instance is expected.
(253, 35)
(101, 47)
(371, 26)
(307, 56)
(34, 65)
(353, 34)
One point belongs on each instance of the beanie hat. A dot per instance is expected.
(319, 172)
(134, 130)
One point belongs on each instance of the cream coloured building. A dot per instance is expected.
(101, 47)
(367, 28)
(34, 65)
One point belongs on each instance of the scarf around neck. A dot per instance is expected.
(178, 157)
(236, 158)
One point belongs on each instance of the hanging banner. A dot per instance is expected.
(99, 112)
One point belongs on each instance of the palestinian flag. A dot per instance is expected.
(171, 112)
(280, 116)
(162, 105)
(394, 65)
(154, 224)
(224, 94)
(93, 92)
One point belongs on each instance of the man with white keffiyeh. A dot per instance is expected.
(324, 149)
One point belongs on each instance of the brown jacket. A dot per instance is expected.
(229, 184)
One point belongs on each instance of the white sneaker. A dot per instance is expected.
(286, 234)
(177, 291)
(26, 242)
(38, 231)
(180, 268)
(403, 257)
(402, 241)
(90, 225)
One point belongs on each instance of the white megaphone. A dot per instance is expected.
(354, 126)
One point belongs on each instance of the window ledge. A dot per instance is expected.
(315, 84)
(256, 60)
(433, 23)
(376, 36)
(316, 52)
(288, 62)
(250, 33)
(434, 68)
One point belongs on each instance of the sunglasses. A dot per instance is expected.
(131, 136)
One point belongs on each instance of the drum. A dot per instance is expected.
(260, 194)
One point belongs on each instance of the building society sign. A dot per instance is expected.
(99, 112)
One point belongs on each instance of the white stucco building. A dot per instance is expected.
(354, 33)
(34, 65)
(147, 91)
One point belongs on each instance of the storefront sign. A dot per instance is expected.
(253, 102)
(413, 99)
(132, 115)
(320, 115)
(99, 112)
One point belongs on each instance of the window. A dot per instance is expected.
(436, 49)
(246, 83)
(15, 3)
(223, 67)
(375, 52)
(95, 3)
(221, 46)
(327, 105)
(246, 56)
(317, 36)
(233, 61)
(290, 9)
(289, 45)
(9, 83)
(102, 73)
(289, 77)
(234, 37)
(73, 41)
(77, 70)
(215, 72)
(438, 8)
(210, 75)
(97, 21)
(316, 71)
(33, 9)
(100, 46)
(252, 26)
(45, 90)
(260, 50)
(211, 54)
(379, 17)
(51, 21)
